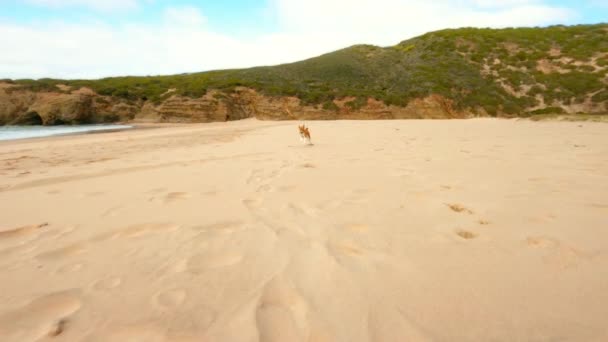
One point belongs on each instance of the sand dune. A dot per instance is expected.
(476, 230)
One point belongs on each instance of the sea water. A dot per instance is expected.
(24, 132)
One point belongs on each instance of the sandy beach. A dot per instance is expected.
(421, 230)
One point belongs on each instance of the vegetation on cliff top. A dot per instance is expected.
(519, 71)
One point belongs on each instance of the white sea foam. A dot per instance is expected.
(24, 132)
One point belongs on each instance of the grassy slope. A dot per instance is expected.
(466, 65)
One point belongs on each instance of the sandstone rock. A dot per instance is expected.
(85, 106)
(57, 108)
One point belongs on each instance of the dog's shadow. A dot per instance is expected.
(301, 146)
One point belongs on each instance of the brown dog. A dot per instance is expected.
(304, 135)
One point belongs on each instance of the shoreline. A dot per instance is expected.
(137, 126)
(133, 127)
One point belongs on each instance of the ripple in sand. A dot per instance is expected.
(64, 252)
(44, 316)
(21, 234)
(137, 230)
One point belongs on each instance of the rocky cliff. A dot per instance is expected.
(78, 106)
(25, 107)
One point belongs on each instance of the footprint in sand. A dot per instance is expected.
(281, 312)
(47, 316)
(345, 247)
(107, 284)
(455, 207)
(112, 212)
(58, 328)
(483, 222)
(176, 196)
(557, 253)
(169, 197)
(465, 234)
(170, 298)
(302, 210)
(254, 176)
(252, 203)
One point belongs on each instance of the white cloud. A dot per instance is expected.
(184, 16)
(78, 51)
(100, 5)
(184, 42)
(387, 21)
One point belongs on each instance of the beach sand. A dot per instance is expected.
(463, 230)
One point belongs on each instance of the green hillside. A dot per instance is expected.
(518, 71)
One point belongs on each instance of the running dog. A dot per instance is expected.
(305, 135)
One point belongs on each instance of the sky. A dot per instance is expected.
(100, 38)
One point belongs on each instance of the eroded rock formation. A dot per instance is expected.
(18, 106)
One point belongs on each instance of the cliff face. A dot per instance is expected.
(24, 107)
